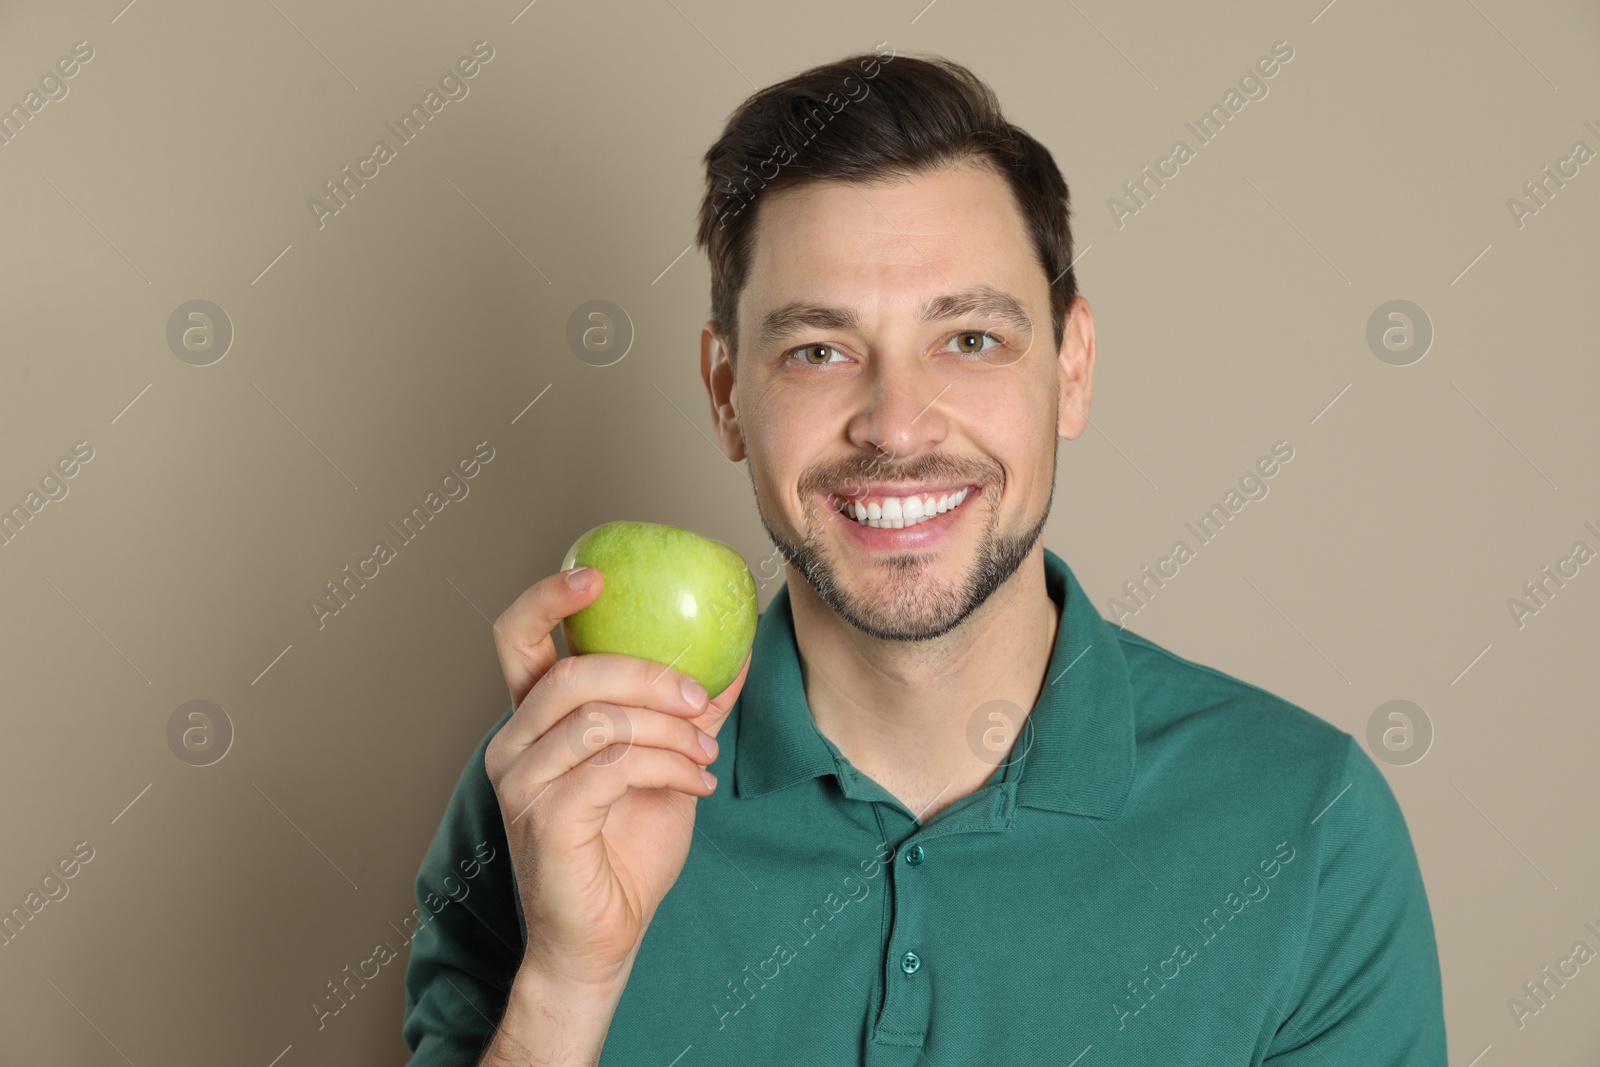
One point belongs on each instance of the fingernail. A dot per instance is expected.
(580, 578)
(693, 692)
(708, 743)
(709, 778)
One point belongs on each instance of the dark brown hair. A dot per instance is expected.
(872, 117)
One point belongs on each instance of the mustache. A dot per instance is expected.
(860, 471)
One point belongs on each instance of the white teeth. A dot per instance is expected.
(899, 512)
(896, 512)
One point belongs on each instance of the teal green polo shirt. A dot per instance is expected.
(1171, 866)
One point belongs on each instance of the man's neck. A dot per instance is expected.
(904, 712)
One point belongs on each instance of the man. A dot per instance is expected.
(953, 816)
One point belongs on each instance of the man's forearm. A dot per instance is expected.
(548, 1022)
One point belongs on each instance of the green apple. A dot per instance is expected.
(670, 595)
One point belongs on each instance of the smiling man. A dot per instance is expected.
(952, 815)
(900, 419)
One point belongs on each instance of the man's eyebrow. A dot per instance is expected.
(983, 300)
(979, 300)
(780, 322)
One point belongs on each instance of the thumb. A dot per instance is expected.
(716, 711)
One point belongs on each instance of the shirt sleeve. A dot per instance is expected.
(1368, 990)
(469, 927)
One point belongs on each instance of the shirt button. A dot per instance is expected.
(910, 963)
(914, 855)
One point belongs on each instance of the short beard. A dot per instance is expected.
(920, 614)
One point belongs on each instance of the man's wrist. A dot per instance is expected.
(553, 1020)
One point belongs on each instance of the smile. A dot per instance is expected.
(898, 512)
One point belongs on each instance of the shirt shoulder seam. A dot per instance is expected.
(1129, 637)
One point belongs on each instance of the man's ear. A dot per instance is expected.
(1077, 370)
(716, 370)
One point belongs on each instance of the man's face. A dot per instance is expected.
(868, 400)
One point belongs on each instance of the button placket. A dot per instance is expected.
(911, 963)
(906, 1010)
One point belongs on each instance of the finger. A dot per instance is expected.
(609, 677)
(601, 734)
(574, 805)
(522, 632)
(716, 713)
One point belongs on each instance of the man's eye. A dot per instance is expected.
(817, 355)
(966, 340)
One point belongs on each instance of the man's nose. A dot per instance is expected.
(903, 411)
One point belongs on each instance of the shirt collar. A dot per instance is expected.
(1077, 751)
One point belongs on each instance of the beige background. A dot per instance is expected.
(428, 314)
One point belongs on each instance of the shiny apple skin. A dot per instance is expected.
(671, 595)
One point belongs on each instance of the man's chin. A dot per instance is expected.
(897, 596)
(906, 600)
(907, 625)
(909, 595)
